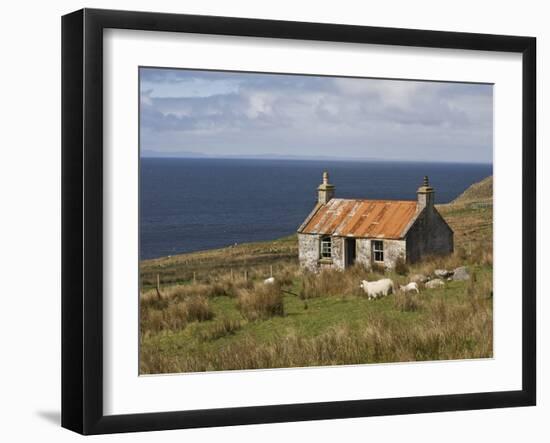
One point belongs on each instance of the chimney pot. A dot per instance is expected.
(325, 191)
(425, 194)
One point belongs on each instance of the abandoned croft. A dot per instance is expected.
(339, 233)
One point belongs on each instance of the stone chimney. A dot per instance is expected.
(425, 195)
(325, 190)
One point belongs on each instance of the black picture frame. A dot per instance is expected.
(82, 215)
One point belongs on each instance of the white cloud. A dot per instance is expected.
(231, 113)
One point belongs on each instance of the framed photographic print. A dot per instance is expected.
(269, 221)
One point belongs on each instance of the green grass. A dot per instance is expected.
(330, 323)
(256, 258)
(187, 350)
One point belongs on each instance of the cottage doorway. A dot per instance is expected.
(350, 251)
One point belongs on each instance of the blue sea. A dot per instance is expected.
(196, 204)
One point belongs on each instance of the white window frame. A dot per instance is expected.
(325, 240)
(377, 248)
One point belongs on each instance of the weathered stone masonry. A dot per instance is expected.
(407, 229)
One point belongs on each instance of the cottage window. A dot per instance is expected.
(378, 250)
(326, 247)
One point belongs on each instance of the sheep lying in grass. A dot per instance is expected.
(377, 289)
(435, 283)
(269, 281)
(411, 287)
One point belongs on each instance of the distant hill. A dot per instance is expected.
(145, 153)
(470, 215)
(478, 192)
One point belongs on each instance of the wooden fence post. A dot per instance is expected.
(159, 294)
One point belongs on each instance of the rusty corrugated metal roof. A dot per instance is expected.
(361, 218)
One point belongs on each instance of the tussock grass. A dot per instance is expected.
(224, 286)
(334, 283)
(262, 329)
(159, 315)
(407, 302)
(222, 321)
(256, 326)
(447, 333)
(401, 267)
(261, 302)
(197, 308)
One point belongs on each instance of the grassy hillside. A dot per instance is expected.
(256, 258)
(214, 312)
(478, 192)
(470, 216)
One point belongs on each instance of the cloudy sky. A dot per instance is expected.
(225, 114)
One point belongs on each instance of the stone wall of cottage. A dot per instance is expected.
(337, 253)
(429, 235)
(308, 251)
(363, 252)
(393, 249)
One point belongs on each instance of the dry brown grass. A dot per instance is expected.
(224, 286)
(285, 274)
(378, 268)
(261, 302)
(428, 265)
(197, 308)
(209, 266)
(159, 315)
(401, 267)
(457, 332)
(334, 283)
(451, 327)
(478, 192)
(406, 302)
(472, 227)
(451, 323)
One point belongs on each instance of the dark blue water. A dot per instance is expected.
(195, 204)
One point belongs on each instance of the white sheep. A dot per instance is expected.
(435, 283)
(377, 289)
(269, 281)
(412, 286)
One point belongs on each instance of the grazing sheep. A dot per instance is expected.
(435, 283)
(377, 289)
(269, 281)
(418, 278)
(412, 286)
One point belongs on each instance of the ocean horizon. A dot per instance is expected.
(194, 204)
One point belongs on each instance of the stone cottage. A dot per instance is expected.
(341, 232)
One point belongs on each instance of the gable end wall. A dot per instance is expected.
(429, 235)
